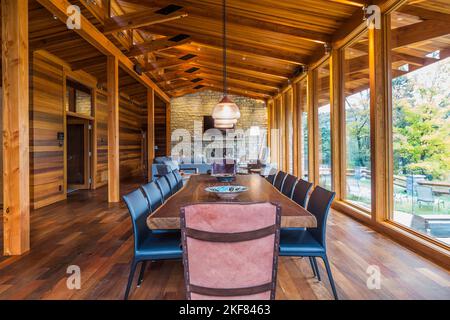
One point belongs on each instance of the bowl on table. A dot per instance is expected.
(227, 192)
(225, 177)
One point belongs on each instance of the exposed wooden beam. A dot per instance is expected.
(157, 45)
(16, 167)
(92, 35)
(139, 19)
(167, 63)
(214, 11)
(233, 45)
(417, 32)
(113, 129)
(424, 13)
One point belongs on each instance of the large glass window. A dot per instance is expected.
(303, 95)
(421, 120)
(357, 122)
(322, 99)
(289, 131)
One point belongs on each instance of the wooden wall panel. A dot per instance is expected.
(101, 118)
(46, 120)
(131, 138)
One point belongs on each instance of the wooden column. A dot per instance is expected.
(113, 130)
(16, 167)
(379, 127)
(297, 124)
(336, 116)
(150, 129)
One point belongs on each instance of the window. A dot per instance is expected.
(420, 125)
(322, 104)
(357, 188)
(303, 137)
(289, 131)
(79, 99)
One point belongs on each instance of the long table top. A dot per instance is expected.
(260, 190)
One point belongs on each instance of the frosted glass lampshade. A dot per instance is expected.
(226, 109)
(225, 124)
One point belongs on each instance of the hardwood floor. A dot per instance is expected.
(88, 232)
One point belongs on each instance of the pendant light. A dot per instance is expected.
(226, 112)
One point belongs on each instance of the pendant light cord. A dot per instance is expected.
(225, 88)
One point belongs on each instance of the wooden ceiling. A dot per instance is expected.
(178, 43)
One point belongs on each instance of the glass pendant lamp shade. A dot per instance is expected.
(226, 109)
(226, 112)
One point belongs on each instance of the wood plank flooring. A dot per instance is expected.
(88, 232)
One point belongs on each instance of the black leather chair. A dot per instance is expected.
(172, 182)
(164, 186)
(288, 185)
(179, 178)
(148, 246)
(311, 242)
(301, 191)
(153, 195)
(271, 178)
(279, 180)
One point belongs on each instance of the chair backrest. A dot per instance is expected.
(230, 250)
(153, 195)
(225, 166)
(319, 205)
(165, 188)
(271, 178)
(179, 178)
(172, 182)
(279, 180)
(301, 191)
(424, 193)
(288, 185)
(138, 207)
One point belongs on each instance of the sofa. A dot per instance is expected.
(163, 165)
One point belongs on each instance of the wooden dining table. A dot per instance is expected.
(259, 190)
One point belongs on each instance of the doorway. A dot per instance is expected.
(79, 154)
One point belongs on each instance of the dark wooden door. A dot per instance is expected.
(78, 154)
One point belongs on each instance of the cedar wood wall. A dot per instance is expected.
(47, 119)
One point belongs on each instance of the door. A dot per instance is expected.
(78, 154)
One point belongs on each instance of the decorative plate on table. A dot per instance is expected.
(225, 177)
(227, 192)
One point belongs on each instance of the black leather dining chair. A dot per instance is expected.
(311, 242)
(153, 195)
(279, 180)
(164, 186)
(271, 178)
(301, 191)
(288, 185)
(179, 178)
(148, 246)
(172, 182)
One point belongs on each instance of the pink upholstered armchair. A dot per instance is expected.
(230, 250)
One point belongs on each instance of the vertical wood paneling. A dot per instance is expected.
(101, 119)
(160, 127)
(46, 120)
(130, 139)
(150, 130)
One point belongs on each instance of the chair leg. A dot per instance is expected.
(130, 279)
(330, 276)
(312, 266)
(141, 274)
(317, 268)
